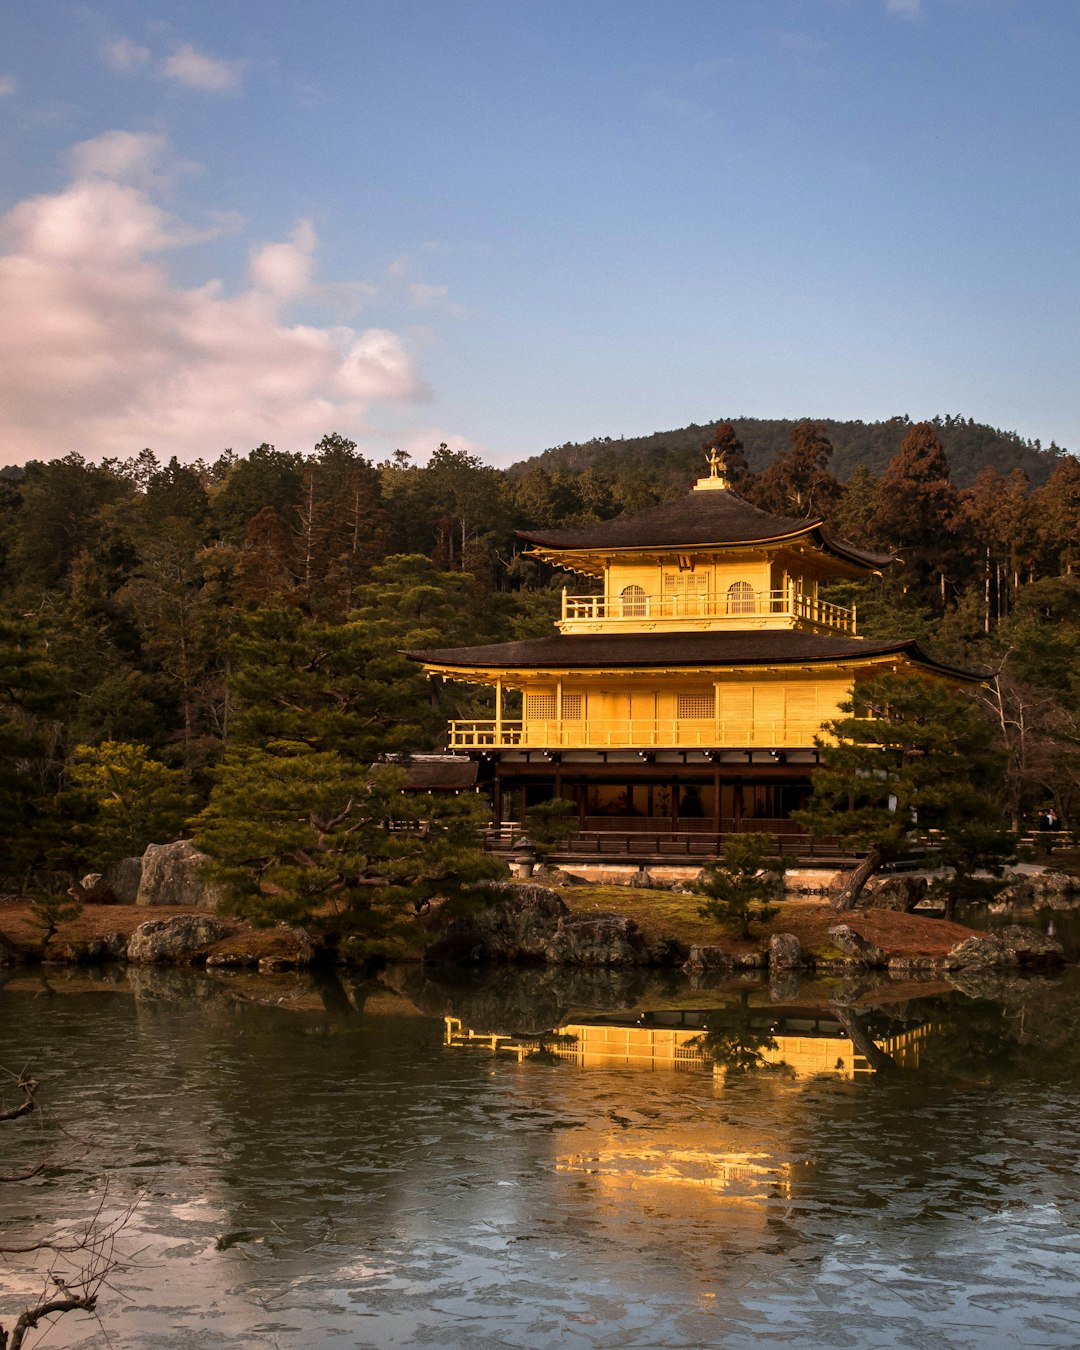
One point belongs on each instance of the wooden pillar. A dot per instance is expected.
(558, 717)
(716, 798)
(737, 806)
(497, 797)
(498, 711)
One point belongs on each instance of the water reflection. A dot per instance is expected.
(324, 1165)
(803, 1041)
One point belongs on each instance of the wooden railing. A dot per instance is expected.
(634, 840)
(733, 610)
(634, 733)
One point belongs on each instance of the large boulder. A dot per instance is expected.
(785, 952)
(516, 926)
(171, 874)
(708, 957)
(857, 948)
(597, 940)
(1055, 890)
(185, 938)
(901, 893)
(122, 878)
(643, 880)
(1004, 947)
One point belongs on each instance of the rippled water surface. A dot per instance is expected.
(319, 1167)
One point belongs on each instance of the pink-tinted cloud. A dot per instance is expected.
(199, 70)
(103, 354)
(123, 54)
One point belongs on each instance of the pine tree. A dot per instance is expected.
(914, 768)
(920, 508)
(799, 483)
(740, 888)
(135, 800)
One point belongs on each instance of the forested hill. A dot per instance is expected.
(672, 457)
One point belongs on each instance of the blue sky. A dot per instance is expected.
(509, 225)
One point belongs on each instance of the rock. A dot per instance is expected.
(901, 893)
(171, 876)
(516, 926)
(122, 878)
(109, 947)
(91, 890)
(784, 985)
(1006, 947)
(1055, 890)
(708, 958)
(785, 952)
(643, 880)
(597, 940)
(915, 965)
(184, 938)
(555, 876)
(1030, 947)
(750, 960)
(231, 960)
(858, 948)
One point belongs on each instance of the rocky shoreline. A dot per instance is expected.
(535, 924)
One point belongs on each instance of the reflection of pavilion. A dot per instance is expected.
(807, 1041)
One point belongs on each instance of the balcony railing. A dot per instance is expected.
(736, 611)
(635, 734)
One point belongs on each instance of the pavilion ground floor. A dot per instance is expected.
(648, 806)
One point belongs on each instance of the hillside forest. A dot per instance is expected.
(177, 635)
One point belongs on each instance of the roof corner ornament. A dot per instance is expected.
(717, 479)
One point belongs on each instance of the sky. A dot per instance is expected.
(508, 224)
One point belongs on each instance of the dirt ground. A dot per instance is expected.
(659, 914)
(667, 914)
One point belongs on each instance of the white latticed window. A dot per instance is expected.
(572, 707)
(698, 703)
(633, 602)
(540, 707)
(740, 598)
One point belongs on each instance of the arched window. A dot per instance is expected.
(633, 602)
(740, 598)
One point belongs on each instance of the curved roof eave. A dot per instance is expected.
(668, 652)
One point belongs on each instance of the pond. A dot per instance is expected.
(535, 1159)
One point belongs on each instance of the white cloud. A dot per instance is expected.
(905, 9)
(197, 70)
(420, 445)
(102, 353)
(123, 54)
(127, 156)
(286, 269)
(424, 295)
(7, 86)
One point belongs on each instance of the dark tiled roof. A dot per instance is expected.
(663, 651)
(697, 519)
(446, 774)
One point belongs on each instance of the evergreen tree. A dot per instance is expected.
(916, 767)
(740, 888)
(310, 836)
(920, 508)
(135, 800)
(799, 483)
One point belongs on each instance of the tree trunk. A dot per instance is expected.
(848, 896)
(863, 1042)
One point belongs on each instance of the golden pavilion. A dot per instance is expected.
(679, 700)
